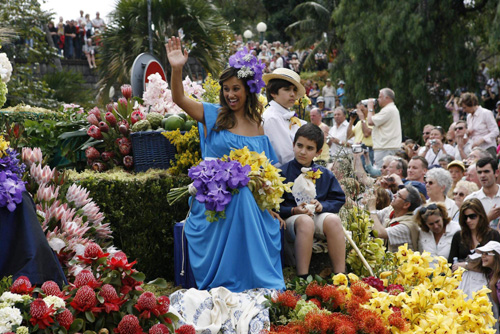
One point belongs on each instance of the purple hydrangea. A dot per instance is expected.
(244, 60)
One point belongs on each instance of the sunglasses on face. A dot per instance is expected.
(459, 128)
(429, 182)
(424, 209)
(458, 194)
(488, 253)
(472, 216)
(426, 133)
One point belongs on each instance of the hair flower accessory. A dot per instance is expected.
(249, 66)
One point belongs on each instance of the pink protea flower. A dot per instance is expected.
(96, 112)
(128, 161)
(31, 156)
(124, 129)
(103, 126)
(46, 193)
(92, 119)
(92, 211)
(126, 91)
(41, 175)
(136, 116)
(110, 118)
(56, 242)
(123, 102)
(74, 230)
(110, 107)
(103, 231)
(92, 153)
(78, 195)
(94, 132)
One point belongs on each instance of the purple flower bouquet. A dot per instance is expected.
(216, 181)
(11, 183)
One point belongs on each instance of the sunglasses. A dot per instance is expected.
(426, 133)
(424, 209)
(429, 182)
(458, 194)
(472, 216)
(488, 253)
(459, 128)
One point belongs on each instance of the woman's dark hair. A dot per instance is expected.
(253, 108)
(434, 209)
(311, 132)
(483, 225)
(274, 85)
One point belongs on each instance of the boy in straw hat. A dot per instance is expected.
(280, 123)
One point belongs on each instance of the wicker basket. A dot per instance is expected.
(151, 150)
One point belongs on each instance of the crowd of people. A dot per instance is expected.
(78, 38)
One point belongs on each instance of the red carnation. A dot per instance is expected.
(126, 91)
(129, 325)
(41, 314)
(85, 299)
(22, 286)
(65, 319)
(92, 153)
(159, 329)
(288, 298)
(50, 288)
(94, 132)
(110, 118)
(186, 329)
(85, 277)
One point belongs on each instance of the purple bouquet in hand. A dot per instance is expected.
(11, 183)
(216, 181)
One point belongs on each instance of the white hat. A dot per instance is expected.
(341, 82)
(490, 246)
(288, 75)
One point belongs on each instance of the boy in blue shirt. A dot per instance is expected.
(302, 225)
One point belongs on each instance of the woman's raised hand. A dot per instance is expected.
(174, 52)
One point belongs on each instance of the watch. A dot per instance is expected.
(363, 121)
(370, 110)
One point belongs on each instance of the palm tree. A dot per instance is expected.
(127, 35)
(315, 27)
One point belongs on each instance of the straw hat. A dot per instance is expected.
(288, 75)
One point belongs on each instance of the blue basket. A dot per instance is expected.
(151, 149)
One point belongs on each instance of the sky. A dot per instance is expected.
(70, 9)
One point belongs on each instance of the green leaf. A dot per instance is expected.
(90, 316)
(72, 134)
(100, 299)
(138, 276)
(159, 282)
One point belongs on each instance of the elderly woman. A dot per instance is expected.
(437, 183)
(436, 229)
(462, 189)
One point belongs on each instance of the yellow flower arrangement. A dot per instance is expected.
(431, 302)
(4, 145)
(265, 183)
(262, 99)
(212, 89)
(188, 150)
(314, 174)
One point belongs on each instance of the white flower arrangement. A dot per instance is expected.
(9, 299)
(244, 72)
(54, 300)
(9, 317)
(5, 68)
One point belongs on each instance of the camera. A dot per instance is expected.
(432, 141)
(357, 148)
(353, 113)
(365, 102)
(416, 147)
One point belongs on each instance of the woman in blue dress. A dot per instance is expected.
(242, 250)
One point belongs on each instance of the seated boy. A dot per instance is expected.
(301, 224)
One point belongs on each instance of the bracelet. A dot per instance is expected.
(466, 264)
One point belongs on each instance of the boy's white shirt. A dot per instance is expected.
(276, 123)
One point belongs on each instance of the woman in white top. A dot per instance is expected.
(437, 183)
(436, 229)
(435, 147)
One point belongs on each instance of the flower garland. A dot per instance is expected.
(11, 183)
(249, 67)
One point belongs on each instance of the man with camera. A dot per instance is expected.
(361, 132)
(386, 132)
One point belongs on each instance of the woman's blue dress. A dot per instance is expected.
(241, 251)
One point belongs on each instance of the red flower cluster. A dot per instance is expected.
(86, 277)
(22, 286)
(92, 253)
(186, 329)
(329, 295)
(50, 288)
(395, 289)
(288, 299)
(129, 325)
(112, 301)
(119, 261)
(376, 282)
(41, 314)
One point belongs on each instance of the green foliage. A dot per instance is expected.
(279, 18)
(126, 35)
(68, 87)
(5, 284)
(142, 221)
(242, 15)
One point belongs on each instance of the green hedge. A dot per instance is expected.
(141, 219)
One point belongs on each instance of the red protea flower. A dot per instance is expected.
(103, 126)
(98, 166)
(146, 304)
(110, 118)
(119, 261)
(288, 298)
(186, 329)
(92, 153)
(50, 288)
(361, 290)
(96, 112)
(377, 283)
(126, 91)
(395, 289)
(85, 277)
(122, 102)
(22, 286)
(92, 253)
(41, 314)
(136, 116)
(65, 319)
(112, 301)
(128, 161)
(92, 119)
(110, 107)
(314, 290)
(85, 299)
(129, 325)
(159, 329)
(397, 321)
(94, 132)
(332, 296)
(124, 148)
(106, 156)
(123, 127)
(163, 305)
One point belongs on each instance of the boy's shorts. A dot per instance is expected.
(318, 226)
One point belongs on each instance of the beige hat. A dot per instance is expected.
(458, 164)
(288, 75)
